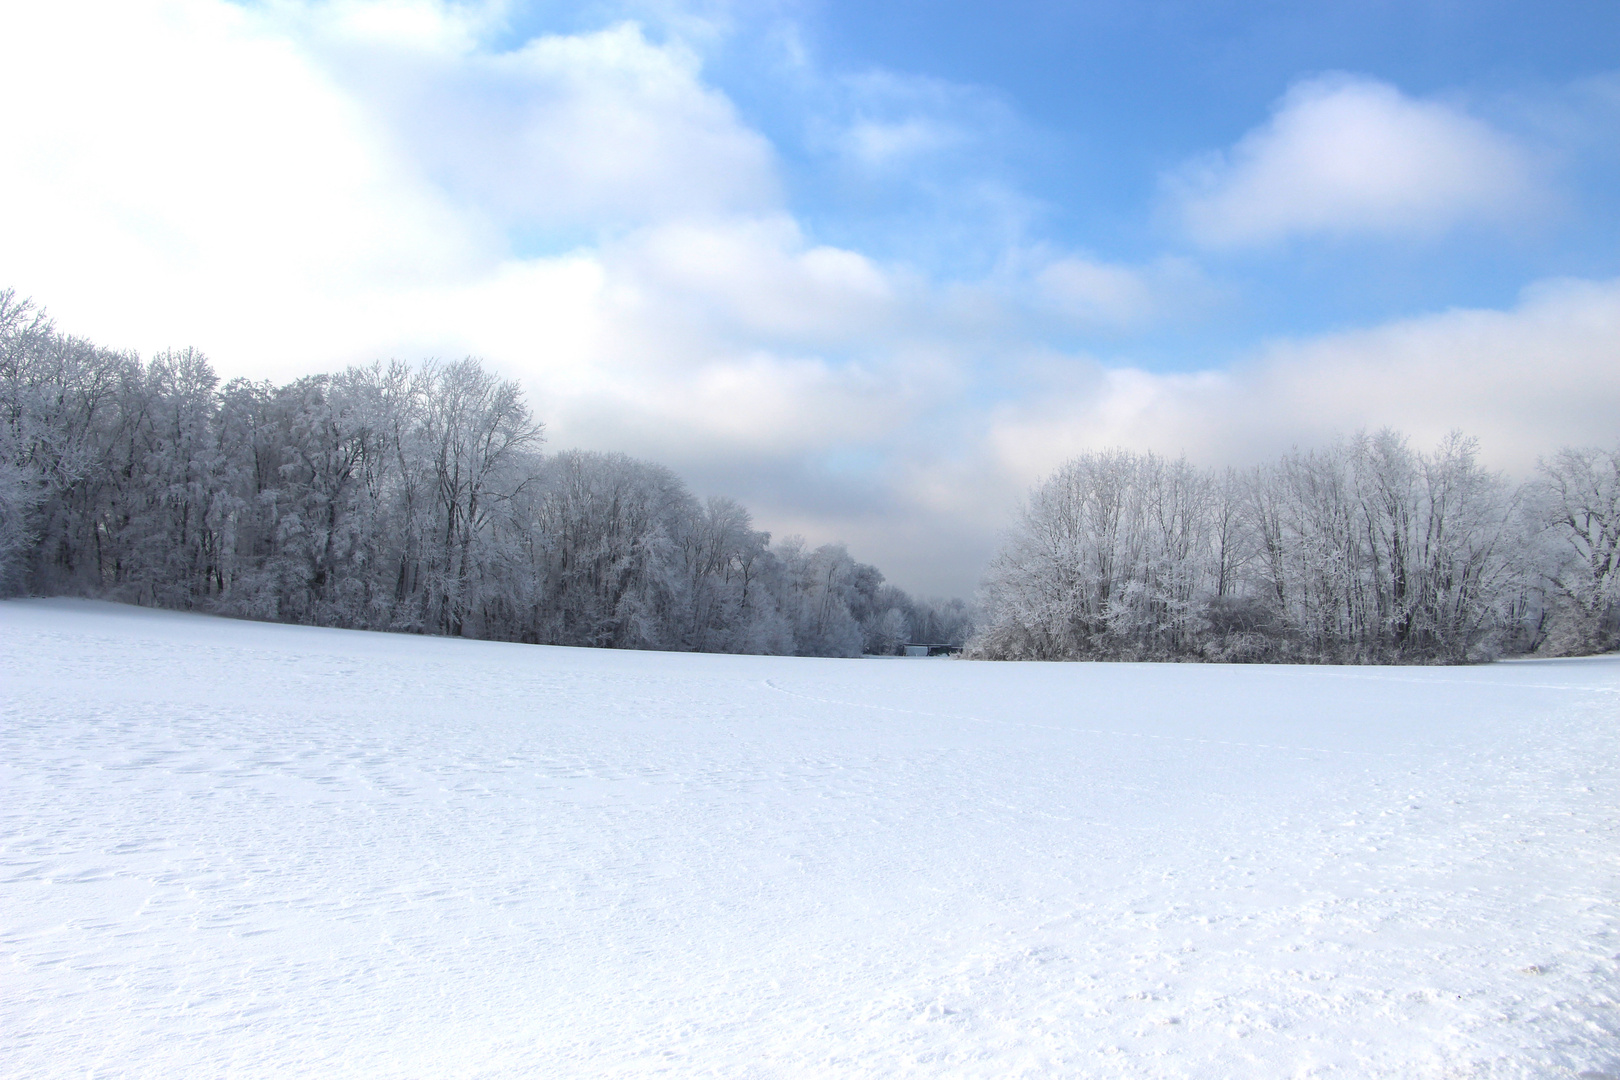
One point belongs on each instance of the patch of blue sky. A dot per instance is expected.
(1041, 123)
(938, 136)
(1163, 78)
(531, 241)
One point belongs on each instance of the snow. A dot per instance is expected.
(241, 849)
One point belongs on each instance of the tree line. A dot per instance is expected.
(393, 497)
(1367, 551)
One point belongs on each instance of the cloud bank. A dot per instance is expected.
(1543, 373)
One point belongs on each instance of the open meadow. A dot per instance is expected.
(253, 850)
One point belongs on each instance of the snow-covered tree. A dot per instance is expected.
(1364, 550)
(1574, 506)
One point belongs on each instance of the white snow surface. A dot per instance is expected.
(239, 849)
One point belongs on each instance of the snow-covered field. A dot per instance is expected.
(230, 849)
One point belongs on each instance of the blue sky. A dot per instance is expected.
(1081, 109)
(874, 269)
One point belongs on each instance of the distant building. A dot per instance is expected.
(918, 649)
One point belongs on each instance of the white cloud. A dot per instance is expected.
(182, 168)
(751, 281)
(1095, 295)
(1526, 381)
(879, 144)
(569, 131)
(1088, 291)
(883, 126)
(260, 181)
(1343, 155)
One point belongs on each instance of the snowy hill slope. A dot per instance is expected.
(238, 849)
